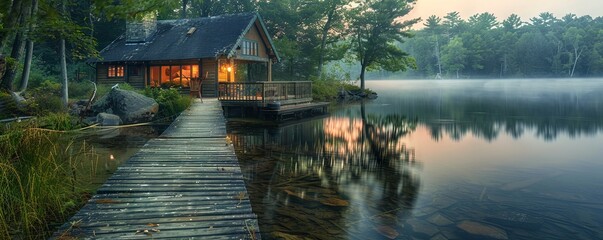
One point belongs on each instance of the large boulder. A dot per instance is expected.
(131, 107)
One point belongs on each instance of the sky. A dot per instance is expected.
(526, 9)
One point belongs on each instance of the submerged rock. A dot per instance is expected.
(442, 202)
(387, 232)
(422, 227)
(516, 220)
(326, 215)
(438, 237)
(439, 219)
(335, 202)
(294, 194)
(130, 106)
(424, 211)
(482, 230)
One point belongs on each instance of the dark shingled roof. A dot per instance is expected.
(214, 36)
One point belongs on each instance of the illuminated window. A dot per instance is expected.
(115, 71)
(179, 75)
(195, 71)
(185, 75)
(155, 76)
(176, 75)
(249, 48)
(166, 73)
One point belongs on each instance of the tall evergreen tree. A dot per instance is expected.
(375, 27)
(434, 28)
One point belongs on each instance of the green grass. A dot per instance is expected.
(58, 121)
(41, 180)
(8, 107)
(103, 89)
(325, 90)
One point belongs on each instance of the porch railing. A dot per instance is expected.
(264, 92)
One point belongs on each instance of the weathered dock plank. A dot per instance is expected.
(186, 184)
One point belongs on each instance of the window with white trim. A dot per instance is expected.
(249, 48)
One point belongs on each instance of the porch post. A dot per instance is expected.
(269, 70)
(147, 75)
(127, 73)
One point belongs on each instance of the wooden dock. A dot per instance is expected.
(296, 111)
(185, 184)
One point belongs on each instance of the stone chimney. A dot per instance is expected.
(140, 30)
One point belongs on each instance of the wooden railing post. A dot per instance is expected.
(263, 94)
(295, 93)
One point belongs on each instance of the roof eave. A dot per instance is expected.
(100, 58)
(233, 50)
(278, 58)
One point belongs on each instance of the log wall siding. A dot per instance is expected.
(137, 81)
(102, 76)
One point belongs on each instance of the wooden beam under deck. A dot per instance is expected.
(185, 184)
(296, 111)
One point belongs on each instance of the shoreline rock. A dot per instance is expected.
(131, 107)
(355, 95)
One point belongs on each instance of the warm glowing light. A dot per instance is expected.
(229, 69)
(111, 157)
(344, 137)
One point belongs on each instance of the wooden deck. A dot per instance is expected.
(259, 94)
(185, 184)
(257, 99)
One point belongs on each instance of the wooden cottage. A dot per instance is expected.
(231, 55)
(226, 48)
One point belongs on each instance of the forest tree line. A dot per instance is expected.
(307, 33)
(483, 46)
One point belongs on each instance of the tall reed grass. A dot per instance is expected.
(40, 180)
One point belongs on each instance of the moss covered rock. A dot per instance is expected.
(130, 106)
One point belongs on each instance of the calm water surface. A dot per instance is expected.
(110, 148)
(500, 159)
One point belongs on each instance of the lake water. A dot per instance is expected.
(449, 159)
(110, 147)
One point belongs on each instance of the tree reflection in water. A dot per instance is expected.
(333, 178)
(394, 161)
